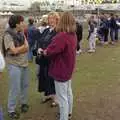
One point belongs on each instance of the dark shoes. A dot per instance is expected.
(24, 108)
(14, 115)
(69, 116)
(45, 100)
(53, 103)
(58, 116)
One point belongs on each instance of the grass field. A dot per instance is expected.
(96, 88)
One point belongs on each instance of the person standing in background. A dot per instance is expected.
(112, 23)
(43, 23)
(2, 66)
(117, 28)
(105, 29)
(92, 34)
(31, 37)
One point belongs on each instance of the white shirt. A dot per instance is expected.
(118, 23)
(2, 62)
(42, 28)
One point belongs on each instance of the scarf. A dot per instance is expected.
(18, 37)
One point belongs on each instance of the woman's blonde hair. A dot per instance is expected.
(44, 20)
(66, 23)
(55, 15)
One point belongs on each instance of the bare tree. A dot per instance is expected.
(35, 7)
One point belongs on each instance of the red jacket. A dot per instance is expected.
(62, 51)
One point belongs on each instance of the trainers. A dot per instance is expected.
(79, 52)
(14, 115)
(91, 51)
(45, 100)
(112, 43)
(24, 108)
(69, 116)
(105, 43)
(57, 116)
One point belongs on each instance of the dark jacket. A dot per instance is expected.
(112, 23)
(46, 82)
(104, 25)
(43, 42)
(63, 56)
(32, 33)
(46, 38)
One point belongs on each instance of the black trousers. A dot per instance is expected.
(78, 43)
(116, 34)
(106, 33)
(45, 82)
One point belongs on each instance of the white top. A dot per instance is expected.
(118, 23)
(42, 28)
(2, 62)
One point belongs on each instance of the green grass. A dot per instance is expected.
(96, 88)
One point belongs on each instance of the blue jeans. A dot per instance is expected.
(30, 53)
(65, 98)
(1, 114)
(18, 86)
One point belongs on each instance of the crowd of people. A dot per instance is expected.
(103, 28)
(54, 45)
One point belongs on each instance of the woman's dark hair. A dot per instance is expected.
(15, 19)
(30, 21)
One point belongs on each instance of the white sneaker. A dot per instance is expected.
(78, 52)
(91, 50)
(105, 43)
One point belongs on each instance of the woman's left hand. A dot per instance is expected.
(40, 50)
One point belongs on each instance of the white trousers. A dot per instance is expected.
(92, 41)
(65, 98)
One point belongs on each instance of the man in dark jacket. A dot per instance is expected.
(31, 37)
(79, 33)
(112, 28)
(103, 30)
(106, 29)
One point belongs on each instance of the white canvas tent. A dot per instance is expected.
(10, 13)
(6, 13)
(1, 13)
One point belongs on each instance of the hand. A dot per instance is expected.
(26, 43)
(45, 52)
(40, 50)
